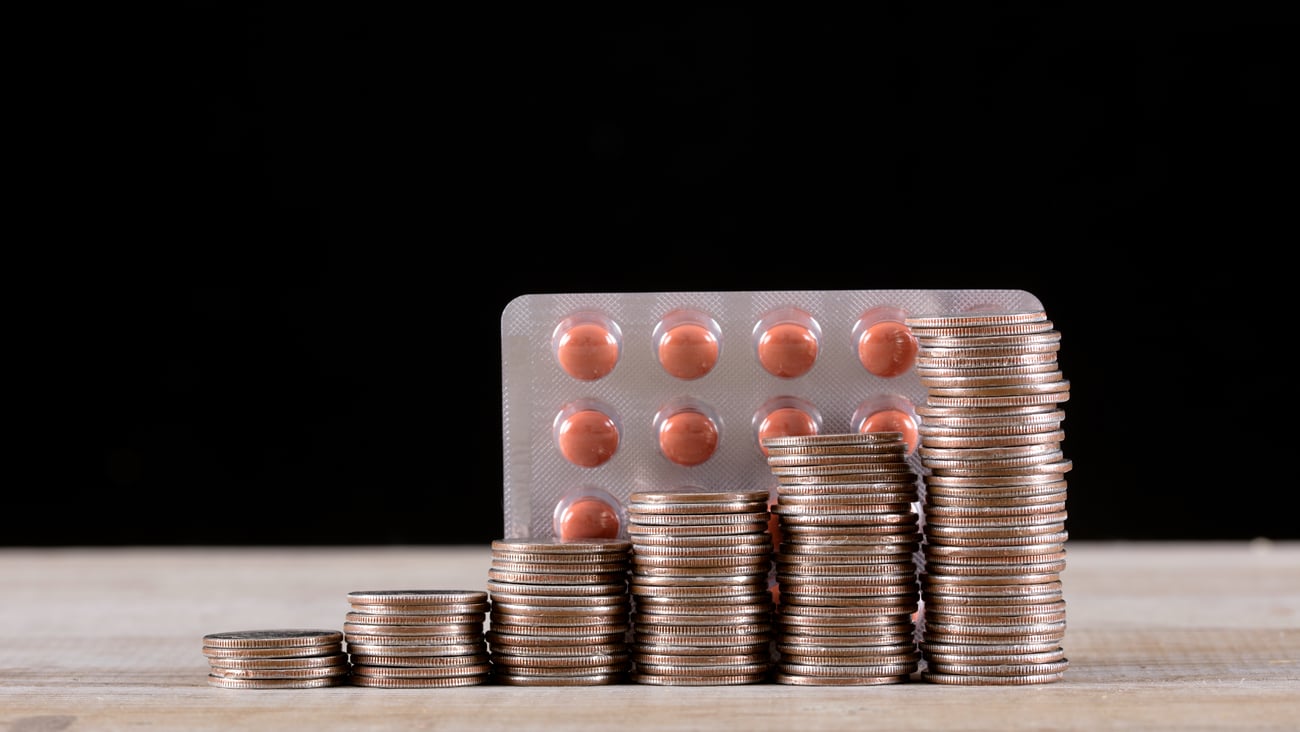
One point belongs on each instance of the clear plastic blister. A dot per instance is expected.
(606, 394)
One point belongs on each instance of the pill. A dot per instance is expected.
(688, 437)
(785, 422)
(893, 420)
(887, 349)
(688, 351)
(787, 350)
(588, 518)
(587, 437)
(587, 351)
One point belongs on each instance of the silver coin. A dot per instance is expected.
(1048, 387)
(783, 461)
(707, 519)
(418, 672)
(226, 683)
(985, 680)
(577, 679)
(1021, 552)
(497, 639)
(696, 494)
(584, 568)
(704, 653)
(326, 649)
(415, 597)
(686, 679)
(981, 329)
(276, 663)
(709, 542)
(455, 661)
(561, 650)
(932, 340)
(931, 580)
(434, 612)
(757, 524)
(1054, 437)
(877, 447)
(1047, 455)
(273, 638)
(420, 683)
(685, 660)
(985, 402)
(848, 438)
(750, 551)
(533, 545)
(967, 655)
(702, 507)
(921, 321)
(319, 672)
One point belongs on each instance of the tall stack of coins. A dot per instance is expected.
(846, 564)
(700, 565)
(994, 506)
(417, 639)
(560, 611)
(292, 658)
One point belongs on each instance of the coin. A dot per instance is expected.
(444, 682)
(273, 638)
(416, 597)
(982, 680)
(573, 679)
(313, 683)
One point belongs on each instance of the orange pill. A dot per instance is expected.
(688, 437)
(887, 349)
(688, 351)
(587, 351)
(588, 438)
(787, 350)
(588, 518)
(785, 422)
(893, 420)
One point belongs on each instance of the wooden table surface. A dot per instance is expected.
(1161, 636)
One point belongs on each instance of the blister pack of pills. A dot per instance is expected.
(607, 394)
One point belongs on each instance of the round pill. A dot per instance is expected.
(688, 437)
(887, 349)
(588, 438)
(893, 420)
(587, 351)
(785, 422)
(688, 351)
(787, 350)
(588, 518)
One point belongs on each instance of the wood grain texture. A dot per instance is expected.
(1188, 636)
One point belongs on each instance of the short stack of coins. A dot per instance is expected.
(994, 506)
(417, 639)
(292, 658)
(846, 566)
(700, 565)
(560, 612)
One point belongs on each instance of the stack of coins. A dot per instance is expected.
(846, 566)
(700, 565)
(560, 611)
(994, 505)
(276, 659)
(417, 639)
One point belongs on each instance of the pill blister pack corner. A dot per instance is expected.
(605, 394)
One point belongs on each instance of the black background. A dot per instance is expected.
(315, 212)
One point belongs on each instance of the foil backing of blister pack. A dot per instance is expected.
(536, 388)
